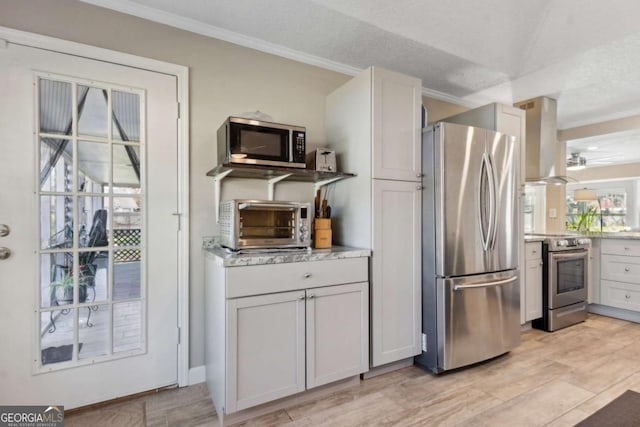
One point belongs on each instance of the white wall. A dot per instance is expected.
(225, 79)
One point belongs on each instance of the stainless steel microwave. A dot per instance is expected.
(254, 224)
(254, 142)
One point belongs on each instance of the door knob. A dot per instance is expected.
(5, 253)
(4, 230)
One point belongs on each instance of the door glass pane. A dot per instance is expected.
(55, 107)
(127, 326)
(56, 339)
(56, 279)
(92, 111)
(90, 216)
(570, 275)
(56, 222)
(126, 168)
(93, 331)
(93, 166)
(126, 116)
(56, 163)
(127, 274)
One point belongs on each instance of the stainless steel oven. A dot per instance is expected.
(565, 276)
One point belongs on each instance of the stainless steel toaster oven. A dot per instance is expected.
(254, 224)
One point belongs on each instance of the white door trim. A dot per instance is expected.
(182, 75)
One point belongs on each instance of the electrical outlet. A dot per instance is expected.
(553, 213)
(424, 342)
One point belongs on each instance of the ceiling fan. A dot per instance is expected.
(576, 162)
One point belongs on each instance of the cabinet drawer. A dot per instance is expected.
(621, 295)
(533, 250)
(621, 268)
(265, 279)
(620, 247)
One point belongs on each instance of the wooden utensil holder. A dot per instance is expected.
(322, 236)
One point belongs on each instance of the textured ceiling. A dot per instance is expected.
(585, 54)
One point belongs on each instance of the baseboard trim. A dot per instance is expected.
(389, 367)
(197, 375)
(618, 313)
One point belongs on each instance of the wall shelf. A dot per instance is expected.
(272, 175)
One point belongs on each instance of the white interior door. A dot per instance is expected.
(88, 188)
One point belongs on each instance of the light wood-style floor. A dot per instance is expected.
(551, 379)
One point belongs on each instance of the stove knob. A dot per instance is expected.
(583, 241)
(562, 243)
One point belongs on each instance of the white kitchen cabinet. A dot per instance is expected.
(265, 348)
(274, 330)
(396, 126)
(396, 271)
(593, 293)
(337, 332)
(620, 273)
(532, 289)
(374, 123)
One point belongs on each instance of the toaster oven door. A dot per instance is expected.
(267, 225)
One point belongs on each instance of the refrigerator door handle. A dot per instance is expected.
(493, 203)
(486, 284)
(486, 177)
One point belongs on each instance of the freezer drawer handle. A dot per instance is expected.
(485, 285)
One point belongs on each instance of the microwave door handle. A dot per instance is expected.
(243, 206)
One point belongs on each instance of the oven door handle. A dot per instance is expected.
(288, 207)
(485, 285)
(568, 255)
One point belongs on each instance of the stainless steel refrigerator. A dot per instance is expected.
(470, 277)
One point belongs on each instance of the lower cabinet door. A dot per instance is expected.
(533, 289)
(337, 332)
(265, 349)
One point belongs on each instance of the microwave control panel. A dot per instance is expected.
(299, 147)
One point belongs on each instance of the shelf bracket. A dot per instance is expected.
(318, 185)
(271, 183)
(217, 191)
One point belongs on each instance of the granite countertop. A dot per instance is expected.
(231, 259)
(628, 235)
(532, 239)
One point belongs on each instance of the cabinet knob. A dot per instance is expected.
(311, 296)
(626, 249)
(541, 262)
(418, 175)
(627, 269)
(418, 187)
(627, 296)
(306, 275)
(301, 297)
(534, 251)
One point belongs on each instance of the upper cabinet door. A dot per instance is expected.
(396, 114)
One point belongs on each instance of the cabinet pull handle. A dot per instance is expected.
(312, 296)
(306, 275)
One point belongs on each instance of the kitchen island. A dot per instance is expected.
(284, 325)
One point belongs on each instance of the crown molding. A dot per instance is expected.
(191, 25)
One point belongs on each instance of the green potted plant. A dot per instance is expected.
(62, 290)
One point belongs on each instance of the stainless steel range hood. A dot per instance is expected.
(545, 156)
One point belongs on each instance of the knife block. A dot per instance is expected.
(322, 236)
